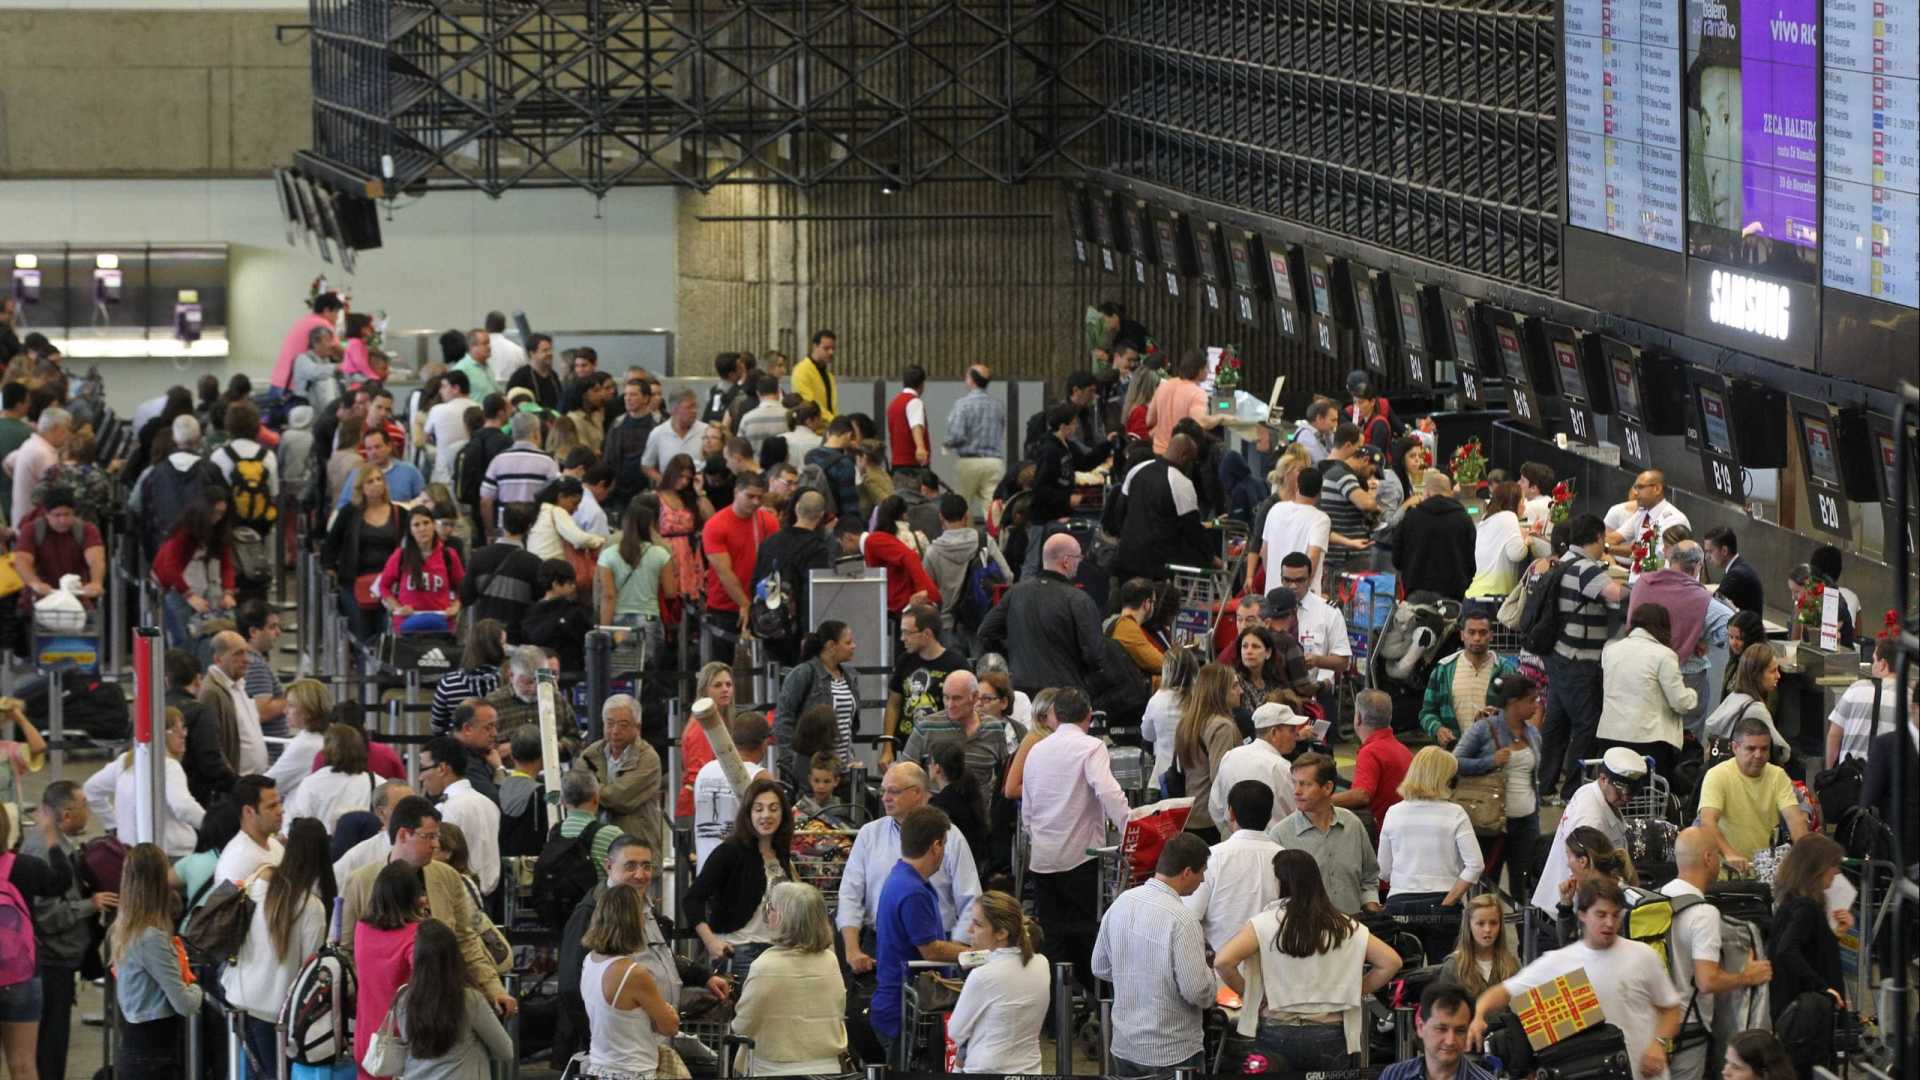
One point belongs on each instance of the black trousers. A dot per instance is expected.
(56, 1020)
(1066, 905)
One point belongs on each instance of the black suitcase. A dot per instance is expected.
(1748, 901)
(1598, 1053)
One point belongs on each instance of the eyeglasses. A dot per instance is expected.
(988, 696)
(896, 791)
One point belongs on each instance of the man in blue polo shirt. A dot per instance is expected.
(907, 923)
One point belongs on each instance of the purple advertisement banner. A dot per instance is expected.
(1780, 126)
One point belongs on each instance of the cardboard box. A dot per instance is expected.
(1558, 1010)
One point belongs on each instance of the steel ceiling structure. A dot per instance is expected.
(412, 95)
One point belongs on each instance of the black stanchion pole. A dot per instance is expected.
(599, 679)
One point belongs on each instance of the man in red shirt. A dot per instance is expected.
(54, 541)
(907, 445)
(907, 580)
(1382, 761)
(731, 541)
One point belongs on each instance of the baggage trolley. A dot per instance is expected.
(923, 1012)
(820, 856)
(1203, 597)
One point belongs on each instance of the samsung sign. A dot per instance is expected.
(1777, 318)
(1739, 302)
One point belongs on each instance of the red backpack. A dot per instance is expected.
(17, 954)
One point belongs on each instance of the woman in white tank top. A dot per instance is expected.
(626, 1011)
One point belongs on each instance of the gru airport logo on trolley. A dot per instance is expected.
(1749, 304)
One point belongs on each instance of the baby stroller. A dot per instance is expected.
(1404, 652)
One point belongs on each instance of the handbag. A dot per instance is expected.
(1484, 798)
(386, 1054)
(218, 929)
(363, 591)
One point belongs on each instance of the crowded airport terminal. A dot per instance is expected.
(1321, 539)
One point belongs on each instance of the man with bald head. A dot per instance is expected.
(1699, 624)
(223, 694)
(985, 741)
(1433, 544)
(1648, 506)
(876, 850)
(1696, 949)
(1048, 629)
(1160, 515)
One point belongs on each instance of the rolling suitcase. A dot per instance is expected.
(1598, 1053)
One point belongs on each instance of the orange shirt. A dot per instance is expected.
(1173, 401)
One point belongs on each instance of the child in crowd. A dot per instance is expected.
(823, 780)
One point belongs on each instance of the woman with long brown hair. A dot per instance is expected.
(148, 962)
(1804, 950)
(728, 902)
(1205, 733)
(448, 1024)
(1312, 961)
(1501, 546)
(1482, 957)
(636, 573)
(291, 902)
(364, 534)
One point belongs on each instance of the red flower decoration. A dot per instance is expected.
(1891, 624)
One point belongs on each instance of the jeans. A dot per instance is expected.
(1701, 683)
(1133, 1070)
(1298, 1048)
(1573, 716)
(263, 1043)
(719, 636)
(743, 958)
(56, 1019)
(150, 1050)
(176, 617)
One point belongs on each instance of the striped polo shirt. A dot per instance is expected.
(1338, 483)
(1583, 609)
(516, 474)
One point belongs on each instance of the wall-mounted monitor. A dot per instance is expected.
(1076, 199)
(1887, 470)
(1210, 258)
(1173, 244)
(1139, 236)
(1324, 318)
(1462, 342)
(1814, 427)
(1510, 354)
(1554, 355)
(1403, 325)
(1355, 280)
(1282, 262)
(1248, 279)
(1100, 229)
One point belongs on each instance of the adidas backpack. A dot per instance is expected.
(316, 1019)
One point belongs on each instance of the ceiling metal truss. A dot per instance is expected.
(598, 94)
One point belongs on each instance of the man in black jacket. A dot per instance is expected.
(627, 440)
(1739, 583)
(794, 551)
(1433, 544)
(1048, 629)
(1160, 516)
(479, 452)
(629, 862)
(504, 578)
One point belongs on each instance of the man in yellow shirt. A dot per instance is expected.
(813, 376)
(1742, 800)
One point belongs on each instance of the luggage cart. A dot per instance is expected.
(923, 1018)
(820, 856)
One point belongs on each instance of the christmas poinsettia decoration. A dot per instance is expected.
(1807, 609)
(1646, 552)
(1226, 377)
(1890, 626)
(1469, 464)
(1562, 506)
(1255, 1064)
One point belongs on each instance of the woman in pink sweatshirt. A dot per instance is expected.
(421, 583)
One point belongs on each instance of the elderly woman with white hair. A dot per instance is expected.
(628, 771)
(795, 1004)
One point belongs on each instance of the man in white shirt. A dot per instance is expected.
(681, 434)
(876, 848)
(508, 356)
(257, 844)
(1297, 526)
(1320, 628)
(39, 453)
(766, 419)
(715, 803)
(1067, 805)
(1597, 804)
(1240, 881)
(1854, 722)
(1649, 506)
(1154, 952)
(227, 677)
(374, 850)
(447, 423)
(443, 769)
(1628, 978)
(1696, 948)
(1267, 758)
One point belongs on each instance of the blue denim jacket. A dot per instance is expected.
(149, 983)
(1483, 739)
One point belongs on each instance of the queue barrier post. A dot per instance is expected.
(510, 1069)
(236, 1044)
(1063, 1019)
(281, 1065)
(599, 664)
(1106, 1036)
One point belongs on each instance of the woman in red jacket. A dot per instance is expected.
(421, 583)
(194, 566)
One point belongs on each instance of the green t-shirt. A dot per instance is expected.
(637, 588)
(1749, 808)
(13, 433)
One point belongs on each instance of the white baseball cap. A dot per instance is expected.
(1273, 715)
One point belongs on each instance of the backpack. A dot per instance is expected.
(1734, 1010)
(564, 874)
(316, 1017)
(253, 502)
(168, 493)
(1119, 688)
(773, 614)
(1838, 788)
(1540, 620)
(976, 591)
(18, 958)
(99, 863)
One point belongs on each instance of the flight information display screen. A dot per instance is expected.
(1820, 460)
(1240, 262)
(1410, 332)
(1511, 358)
(1753, 133)
(1573, 382)
(1889, 463)
(1625, 142)
(1713, 422)
(1282, 276)
(1626, 392)
(1871, 240)
(1461, 331)
(1322, 294)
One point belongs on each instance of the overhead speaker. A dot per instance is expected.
(1757, 413)
(1857, 455)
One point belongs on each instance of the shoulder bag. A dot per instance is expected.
(1484, 798)
(387, 1052)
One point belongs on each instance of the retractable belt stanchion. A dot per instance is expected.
(116, 600)
(1106, 1036)
(599, 662)
(56, 715)
(1063, 1019)
(149, 735)
(236, 1043)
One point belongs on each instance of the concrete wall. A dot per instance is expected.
(151, 92)
(448, 259)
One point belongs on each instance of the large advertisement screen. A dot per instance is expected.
(1871, 197)
(1624, 140)
(1753, 134)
